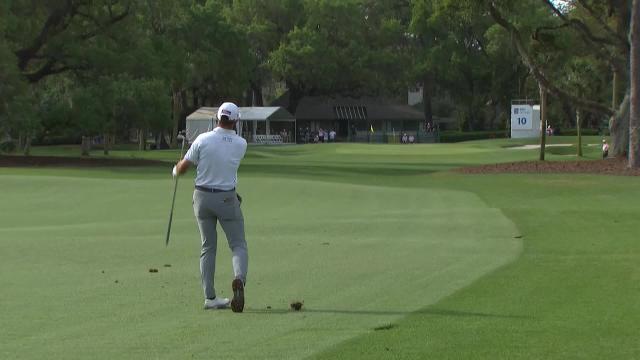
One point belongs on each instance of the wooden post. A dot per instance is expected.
(579, 132)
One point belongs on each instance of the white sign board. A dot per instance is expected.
(521, 117)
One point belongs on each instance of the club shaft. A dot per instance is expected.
(173, 203)
(173, 199)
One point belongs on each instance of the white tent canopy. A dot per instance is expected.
(204, 119)
(201, 121)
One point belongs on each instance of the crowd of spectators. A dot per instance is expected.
(286, 136)
(308, 136)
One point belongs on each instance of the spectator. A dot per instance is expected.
(405, 138)
(549, 130)
(412, 139)
(332, 135)
(605, 149)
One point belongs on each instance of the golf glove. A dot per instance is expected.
(174, 172)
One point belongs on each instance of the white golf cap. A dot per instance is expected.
(229, 109)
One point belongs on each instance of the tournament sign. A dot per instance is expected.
(521, 117)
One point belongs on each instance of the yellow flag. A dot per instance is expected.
(371, 128)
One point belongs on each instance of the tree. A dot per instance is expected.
(451, 51)
(580, 76)
(265, 23)
(634, 121)
(343, 48)
(600, 25)
(88, 112)
(198, 51)
(13, 88)
(53, 37)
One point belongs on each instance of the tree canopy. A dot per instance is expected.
(103, 67)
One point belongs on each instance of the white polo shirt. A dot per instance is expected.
(217, 155)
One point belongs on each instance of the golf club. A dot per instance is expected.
(175, 188)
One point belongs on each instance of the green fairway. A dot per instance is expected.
(393, 255)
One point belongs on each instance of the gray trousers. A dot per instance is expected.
(209, 208)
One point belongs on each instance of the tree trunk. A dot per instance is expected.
(85, 147)
(142, 140)
(427, 96)
(522, 86)
(184, 105)
(176, 107)
(579, 132)
(194, 97)
(634, 119)
(619, 129)
(248, 97)
(256, 90)
(615, 98)
(295, 95)
(568, 111)
(27, 145)
(543, 121)
(106, 142)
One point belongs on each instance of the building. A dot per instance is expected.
(266, 125)
(365, 119)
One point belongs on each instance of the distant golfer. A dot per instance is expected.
(605, 149)
(217, 155)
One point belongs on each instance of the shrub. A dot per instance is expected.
(8, 146)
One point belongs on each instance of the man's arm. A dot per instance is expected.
(191, 157)
(182, 166)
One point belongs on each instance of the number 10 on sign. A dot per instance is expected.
(521, 117)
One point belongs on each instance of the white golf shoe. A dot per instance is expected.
(217, 303)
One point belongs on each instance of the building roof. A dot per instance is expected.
(345, 108)
(273, 113)
(254, 113)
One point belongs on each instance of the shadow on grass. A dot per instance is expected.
(426, 312)
(372, 169)
(270, 153)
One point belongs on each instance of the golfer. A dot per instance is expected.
(217, 155)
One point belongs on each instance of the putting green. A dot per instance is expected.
(76, 252)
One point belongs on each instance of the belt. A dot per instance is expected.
(212, 190)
